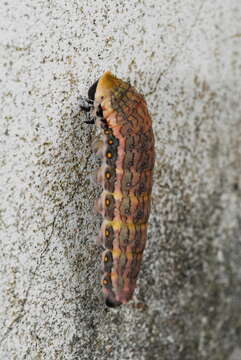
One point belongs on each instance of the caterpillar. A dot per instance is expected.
(127, 156)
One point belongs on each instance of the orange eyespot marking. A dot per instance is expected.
(107, 233)
(109, 155)
(105, 282)
(108, 175)
(110, 142)
(106, 259)
(107, 202)
(107, 132)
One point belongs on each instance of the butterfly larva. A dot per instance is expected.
(127, 153)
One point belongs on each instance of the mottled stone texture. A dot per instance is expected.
(185, 56)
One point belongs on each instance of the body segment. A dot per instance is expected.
(127, 153)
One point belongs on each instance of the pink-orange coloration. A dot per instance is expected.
(128, 156)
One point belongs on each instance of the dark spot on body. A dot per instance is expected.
(106, 282)
(108, 237)
(109, 207)
(107, 261)
(141, 189)
(110, 178)
(111, 155)
(104, 124)
(139, 214)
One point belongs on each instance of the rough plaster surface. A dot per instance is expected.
(185, 56)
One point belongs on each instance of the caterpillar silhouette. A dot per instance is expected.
(128, 156)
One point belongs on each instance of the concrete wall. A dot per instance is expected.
(185, 56)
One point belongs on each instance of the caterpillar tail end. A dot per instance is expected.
(112, 303)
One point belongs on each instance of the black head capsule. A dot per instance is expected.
(92, 91)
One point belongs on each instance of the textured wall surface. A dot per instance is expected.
(185, 56)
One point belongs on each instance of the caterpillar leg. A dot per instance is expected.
(99, 241)
(97, 209)
(97, 146)
(86, 105)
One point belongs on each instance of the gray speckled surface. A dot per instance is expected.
(186, 57)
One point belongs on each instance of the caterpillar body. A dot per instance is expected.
(128, 156)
